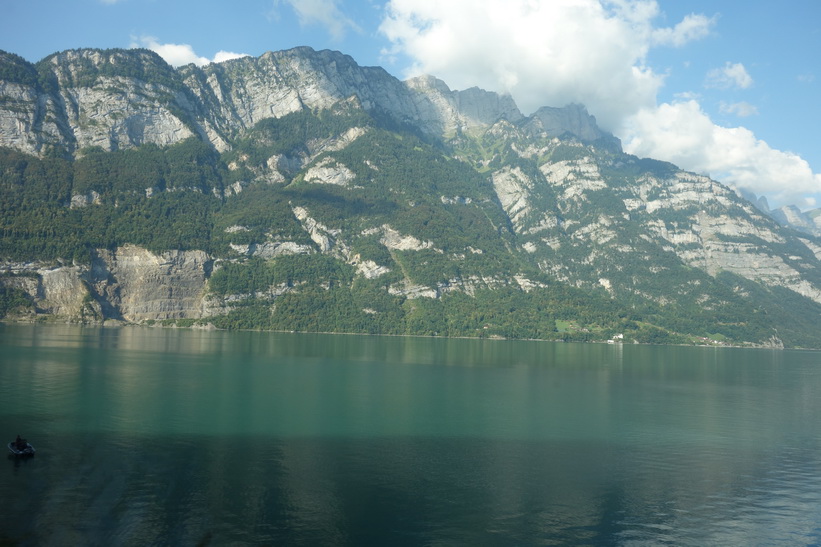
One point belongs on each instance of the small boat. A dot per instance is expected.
(23, 449)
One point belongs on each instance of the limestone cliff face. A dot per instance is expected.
(572, 119)
(31, 120)
(79, 98)
(121, 99)
(133, 116)
(129, 284)
(745, 243)
(513, 188)
(242, 92)
(56, 290)
(444, 112)
(134, 284)
(790, 216)
(124, 98)
(25, 123)
(589, 219)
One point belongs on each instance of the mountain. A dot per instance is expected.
(789, 216)
(300, 191)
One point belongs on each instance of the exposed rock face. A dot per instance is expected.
(61, 291)
(324, 237)
(56, 290)
(130, 284)
(368, 268)
(25, 123)
(792, 216)
(412, 291)
(513, 188)
(575, 179)
(134, 284)
(95, 102)
(129, 118)
(273, 249)
(89, 104)
(91, 198)
(396, 241)
(329, 171)
(442, 111)
(573, 119)
(335, 143)
(278, 83)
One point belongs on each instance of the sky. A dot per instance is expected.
(725, 88)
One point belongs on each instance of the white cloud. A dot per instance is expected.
(741, 109)
(729, 76)
(692, 27)
(595, 52)
(322, 12)
(222, 56)
(683, 134)
(542, 53)
(181, 54)
(687, 96)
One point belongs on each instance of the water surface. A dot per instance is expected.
(158, 436)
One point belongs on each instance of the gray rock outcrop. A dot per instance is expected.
(573, 119)
(792, 216)
(124, 98)
(128, 284)
(135, 285)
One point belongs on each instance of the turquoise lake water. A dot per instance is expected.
(181, 437)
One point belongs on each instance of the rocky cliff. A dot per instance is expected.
(127, 284)
(703, 223)
(125, 98)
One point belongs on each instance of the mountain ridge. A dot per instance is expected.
(271, 86)
(299, 191)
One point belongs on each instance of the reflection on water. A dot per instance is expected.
(159, 436)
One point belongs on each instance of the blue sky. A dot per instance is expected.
(722, 87)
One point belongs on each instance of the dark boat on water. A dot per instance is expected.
(21, 447)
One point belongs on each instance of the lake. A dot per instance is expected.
(184, 437)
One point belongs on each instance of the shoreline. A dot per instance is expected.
(115, 323)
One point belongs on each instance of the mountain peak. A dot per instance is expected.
(572, 118)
